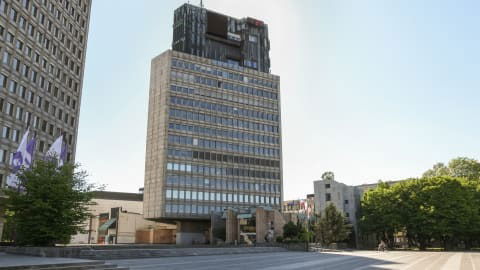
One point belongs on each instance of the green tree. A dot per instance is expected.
(332, 226)
(438, 169)
(50, 205)
(458, 167)
(328, 176)
(465, 167)
(290, 230)
(378, 214)
(435, 209)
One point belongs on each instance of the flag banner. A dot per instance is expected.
(57, 151)
(23, 157)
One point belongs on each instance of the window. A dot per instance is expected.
(15, 135)
(19, 113)
(6, 132)
(13, 15)
(16, 64)
(328, 197)
(9, 109)
(10, 37)
(346, 201)
(327, 185)
(3, 80)
(19, 44)
(3, 6)
(6, 57)
(3, 155)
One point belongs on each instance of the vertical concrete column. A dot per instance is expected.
(231, 227)
(261, 225)
(151, 236)
(278, 223)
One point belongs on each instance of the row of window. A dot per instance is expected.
(44, 42)
(225, 96)
(223, 108)
(232, 122)
(220, 171)
(235, 134)
(224, 74)
(32, 74)
(181, 76)
(193, 209)
(18, 112)
(220, 197)
(224, 146)
(14, 135)
(29, 96)
(36, 122)
(42, 18)
(222, 158)
(224, 184)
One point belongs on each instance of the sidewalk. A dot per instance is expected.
(10, 260)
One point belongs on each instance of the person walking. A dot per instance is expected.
(381, 246)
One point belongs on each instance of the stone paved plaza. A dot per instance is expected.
(358, 260)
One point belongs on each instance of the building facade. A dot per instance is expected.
(202, 32)
(42, 55)
(213, 141)
(345, 198)
(117, 218)
(300, 210)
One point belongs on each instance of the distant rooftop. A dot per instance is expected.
(121, 196)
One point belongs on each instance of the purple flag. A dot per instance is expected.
(23, 157)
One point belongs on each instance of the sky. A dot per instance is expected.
(370, 89)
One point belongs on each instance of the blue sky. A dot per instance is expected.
(370, 89)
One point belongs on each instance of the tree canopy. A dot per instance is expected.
(50, 205)
(458, 167)
(332, 226)
(441, 209)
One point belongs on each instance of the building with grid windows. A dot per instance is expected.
(42, 57)
(213, 138)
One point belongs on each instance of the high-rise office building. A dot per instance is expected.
(42, 57)
(213, 137)
(42, 52)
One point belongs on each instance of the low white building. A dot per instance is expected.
(345, 198)
(117, 218)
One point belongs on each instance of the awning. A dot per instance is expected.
(107, 224)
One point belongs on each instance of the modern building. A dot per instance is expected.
(42, 54)
(208, 34)
(345, 198)
(213, 138)
(117, 218)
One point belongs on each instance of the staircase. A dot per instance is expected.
(117, 254)
(99, 265)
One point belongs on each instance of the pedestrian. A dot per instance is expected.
(381, 246)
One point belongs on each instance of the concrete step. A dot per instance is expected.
(173, 252)
(100, 265)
